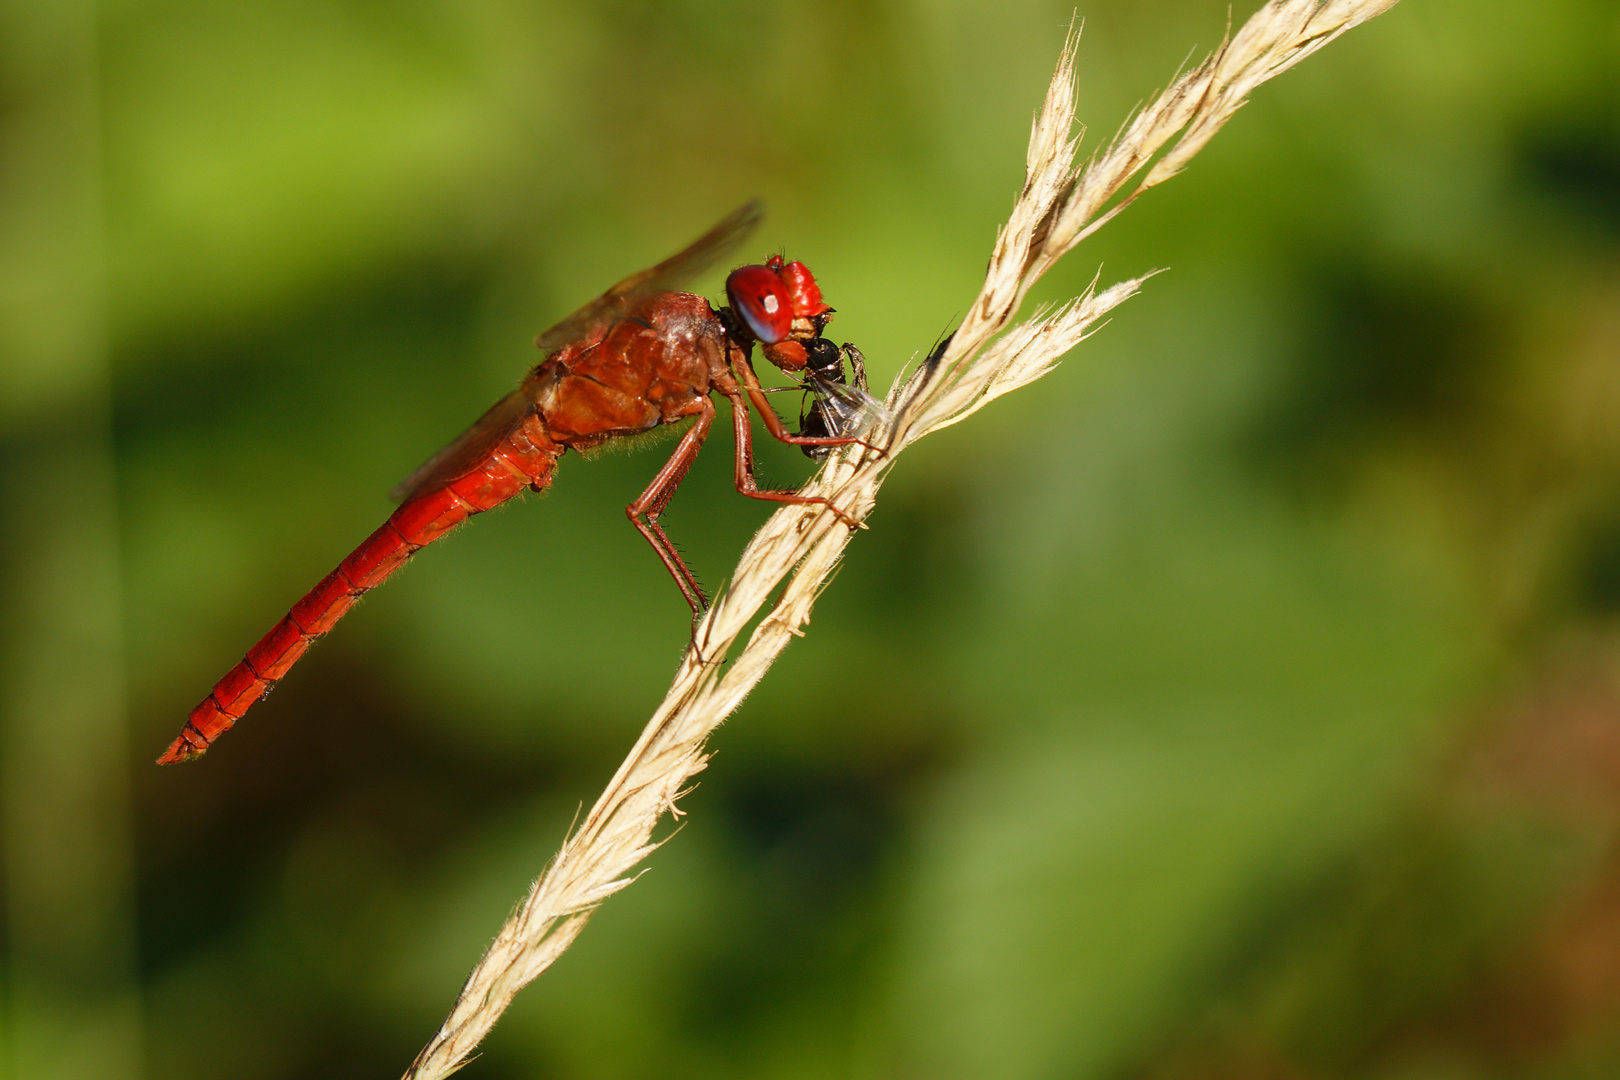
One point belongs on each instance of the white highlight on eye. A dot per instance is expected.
(770, 303)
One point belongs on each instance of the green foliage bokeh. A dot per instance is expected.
(1234, 703)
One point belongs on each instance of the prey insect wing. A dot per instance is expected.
(850, 411)
(838, 409)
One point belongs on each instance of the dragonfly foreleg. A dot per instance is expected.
(745, 452)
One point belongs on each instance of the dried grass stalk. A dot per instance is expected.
(1059, 206)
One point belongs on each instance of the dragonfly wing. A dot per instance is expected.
(667, 276)
(468, 450)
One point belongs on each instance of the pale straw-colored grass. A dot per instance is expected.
(1059, 206)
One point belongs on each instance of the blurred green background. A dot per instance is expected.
(1241, 702)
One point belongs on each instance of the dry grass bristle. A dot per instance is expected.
(988, 356)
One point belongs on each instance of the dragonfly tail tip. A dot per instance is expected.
(178, 751)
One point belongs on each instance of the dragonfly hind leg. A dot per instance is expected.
(645, 511)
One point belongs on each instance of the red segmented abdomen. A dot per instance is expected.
(525, 458)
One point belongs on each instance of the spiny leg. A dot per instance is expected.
(773, 423)
(644, 512)
(745, 452)
(857, 364)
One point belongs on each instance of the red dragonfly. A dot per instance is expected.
(640, 355)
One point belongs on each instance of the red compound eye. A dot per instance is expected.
(803, 292)
(761, 298)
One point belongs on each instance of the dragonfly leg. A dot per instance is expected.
(745, 452)
(773, 423)
(644, 512)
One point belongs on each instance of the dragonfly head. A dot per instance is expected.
(781, 305)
